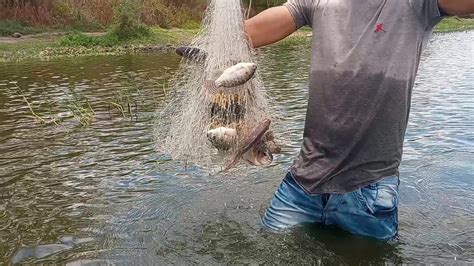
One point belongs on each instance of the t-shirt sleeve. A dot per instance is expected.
(302, 11)
(428, 12)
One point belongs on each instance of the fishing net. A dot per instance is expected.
(190, 112)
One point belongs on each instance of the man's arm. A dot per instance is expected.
(456, 7)
(270, 26)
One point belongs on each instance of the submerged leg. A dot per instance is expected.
(292, 206)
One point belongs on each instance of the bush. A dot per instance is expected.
(8, 27)
(128, 24)
(81, 39)
(137, 32)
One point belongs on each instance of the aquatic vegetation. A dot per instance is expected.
(36, 116)
(52, 119)
(125, 101)
(78, 105)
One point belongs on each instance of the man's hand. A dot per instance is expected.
(270, 26)
(456, 7)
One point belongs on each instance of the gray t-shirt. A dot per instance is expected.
(365, 55)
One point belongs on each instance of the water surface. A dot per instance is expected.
(103, 194)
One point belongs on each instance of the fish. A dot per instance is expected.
(250, 143)
(191, 53)
(259, 155)
(222, 137)
(236, 75)
(233, 76)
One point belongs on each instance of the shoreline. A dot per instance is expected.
(46, 46)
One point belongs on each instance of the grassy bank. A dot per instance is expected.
(76, 44)
(154, 39)
(455, 24)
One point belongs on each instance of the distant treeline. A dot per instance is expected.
(99, 13)
(96, 14)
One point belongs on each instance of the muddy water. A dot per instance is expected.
(102, 194)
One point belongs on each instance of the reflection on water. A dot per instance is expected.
(103, 194)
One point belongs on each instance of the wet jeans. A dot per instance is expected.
(371, 211)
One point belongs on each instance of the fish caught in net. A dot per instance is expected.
(218, 111)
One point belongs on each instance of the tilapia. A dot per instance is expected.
(253, 144)
(222, 138)
(236, 75)
(192, 53)
(231, 77)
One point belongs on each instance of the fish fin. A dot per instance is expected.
(232, 163)
(256, 135)
(192, 53)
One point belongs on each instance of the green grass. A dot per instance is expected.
(172, 36)
(190, 25)
(116, 36)
(8, 27)
(306, 29)
(74, 39)
(455, 24)
(294, 41)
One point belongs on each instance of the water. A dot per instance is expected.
(102, 194)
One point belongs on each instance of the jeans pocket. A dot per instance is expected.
(381, 198)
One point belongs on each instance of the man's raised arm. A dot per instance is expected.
(270, 26)
(456, 7)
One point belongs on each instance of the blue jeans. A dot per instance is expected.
(369, 211)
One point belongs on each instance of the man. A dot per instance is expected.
(365, 57)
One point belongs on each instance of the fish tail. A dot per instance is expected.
(231, 164)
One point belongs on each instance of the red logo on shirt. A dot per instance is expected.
(379, 28)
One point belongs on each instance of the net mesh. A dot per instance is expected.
(190, 112)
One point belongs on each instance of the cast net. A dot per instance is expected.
(191, 112)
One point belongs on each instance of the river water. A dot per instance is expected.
(102, 193)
